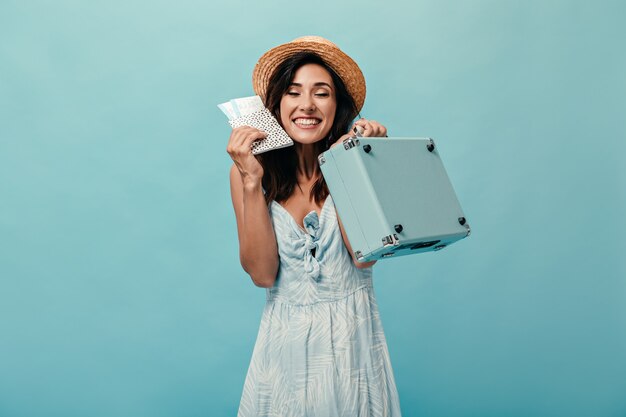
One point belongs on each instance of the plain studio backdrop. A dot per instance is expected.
(121, 292)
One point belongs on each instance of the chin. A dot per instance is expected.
(306, 141)
(305, 138)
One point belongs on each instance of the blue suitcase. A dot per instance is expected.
(393, 196)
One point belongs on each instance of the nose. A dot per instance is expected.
(306, 103)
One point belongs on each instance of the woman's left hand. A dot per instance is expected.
(371, 128)
(368, 128)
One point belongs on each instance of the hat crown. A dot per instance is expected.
(313, 38)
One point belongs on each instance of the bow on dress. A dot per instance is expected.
(312, 226)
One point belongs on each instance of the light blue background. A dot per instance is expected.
(121, 292)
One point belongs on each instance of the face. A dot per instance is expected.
(307, 110)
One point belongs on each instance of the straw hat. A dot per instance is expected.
(342, 64)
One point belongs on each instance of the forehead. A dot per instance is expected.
(311, 74)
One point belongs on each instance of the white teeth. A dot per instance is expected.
(306, 122)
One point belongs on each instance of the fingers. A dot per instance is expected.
(240, 150)
(241, 140)
(367, 128)
(371, 128)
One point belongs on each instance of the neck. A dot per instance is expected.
(308, 166)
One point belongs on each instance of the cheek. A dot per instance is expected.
(331, 112)
(284, 115)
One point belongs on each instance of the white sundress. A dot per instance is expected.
(321, 350)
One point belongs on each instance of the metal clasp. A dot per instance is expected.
(390, 240)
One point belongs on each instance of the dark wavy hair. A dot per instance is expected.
(280, 165)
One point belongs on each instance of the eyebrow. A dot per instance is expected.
(318, 84)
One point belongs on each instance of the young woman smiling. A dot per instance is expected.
(321, 349)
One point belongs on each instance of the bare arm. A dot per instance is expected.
(347, 243)
(258, 251)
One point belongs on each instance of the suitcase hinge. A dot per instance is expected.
(391, 240)
(350, 143)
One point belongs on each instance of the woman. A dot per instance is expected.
(320, 350)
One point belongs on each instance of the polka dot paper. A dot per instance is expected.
(265, 121)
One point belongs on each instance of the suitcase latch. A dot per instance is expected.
(390, 240)
(350, 143)
(321, 159)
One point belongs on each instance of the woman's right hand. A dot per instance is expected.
(240, 150)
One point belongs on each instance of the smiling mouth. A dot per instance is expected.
(306, 122)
